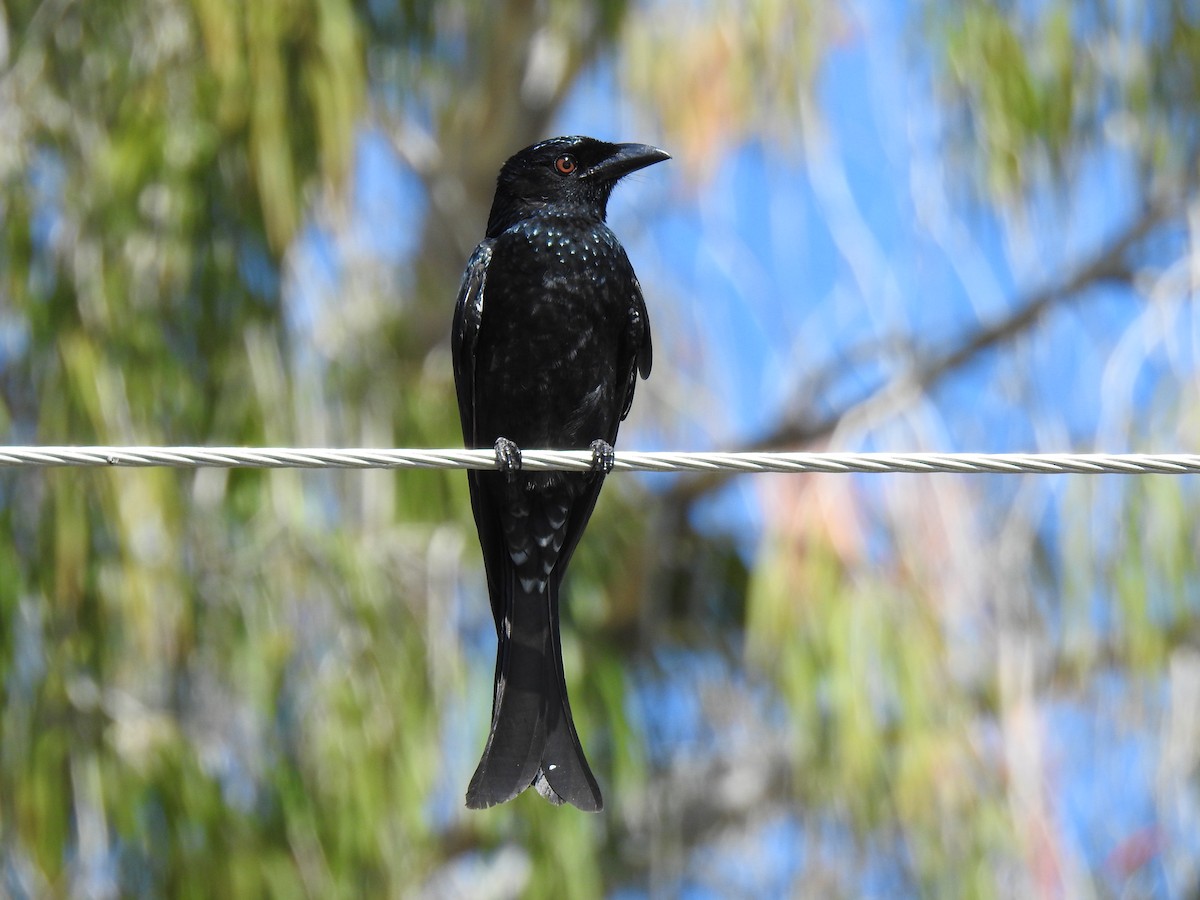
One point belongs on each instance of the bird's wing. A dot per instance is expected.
(645, 356)
(637, 351)
(468, 313)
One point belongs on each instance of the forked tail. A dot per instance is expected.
(532, 738)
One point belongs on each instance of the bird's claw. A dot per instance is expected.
(603, 457)
(508, 455)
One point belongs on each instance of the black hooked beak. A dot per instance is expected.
(625, 158)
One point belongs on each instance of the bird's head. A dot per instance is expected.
(574, 175)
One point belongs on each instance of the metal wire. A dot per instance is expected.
(626, 461)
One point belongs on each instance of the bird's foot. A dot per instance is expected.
(603, 457)
(508, 455)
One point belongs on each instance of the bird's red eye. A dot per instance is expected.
(565, 165)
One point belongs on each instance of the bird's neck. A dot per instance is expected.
(505, 215)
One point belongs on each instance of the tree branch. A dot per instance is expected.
(1110, 263)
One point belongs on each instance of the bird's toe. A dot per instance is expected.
(508, 455)
(603, 457)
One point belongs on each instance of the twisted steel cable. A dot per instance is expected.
(626, 461)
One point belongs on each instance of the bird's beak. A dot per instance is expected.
(624, 159)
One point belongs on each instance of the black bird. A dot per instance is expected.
(550, 334)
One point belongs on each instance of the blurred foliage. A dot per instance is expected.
(242, 683)
(1022, 94)
(1036, 87)
(865, 664)
(732, 72)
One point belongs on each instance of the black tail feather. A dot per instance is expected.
(532, 740)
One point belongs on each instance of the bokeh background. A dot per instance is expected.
(922, 225)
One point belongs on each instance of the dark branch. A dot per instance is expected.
(1111, 263)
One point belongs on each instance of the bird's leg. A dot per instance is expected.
(603, 457)
(508, 455)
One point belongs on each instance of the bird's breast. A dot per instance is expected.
(557, 303)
